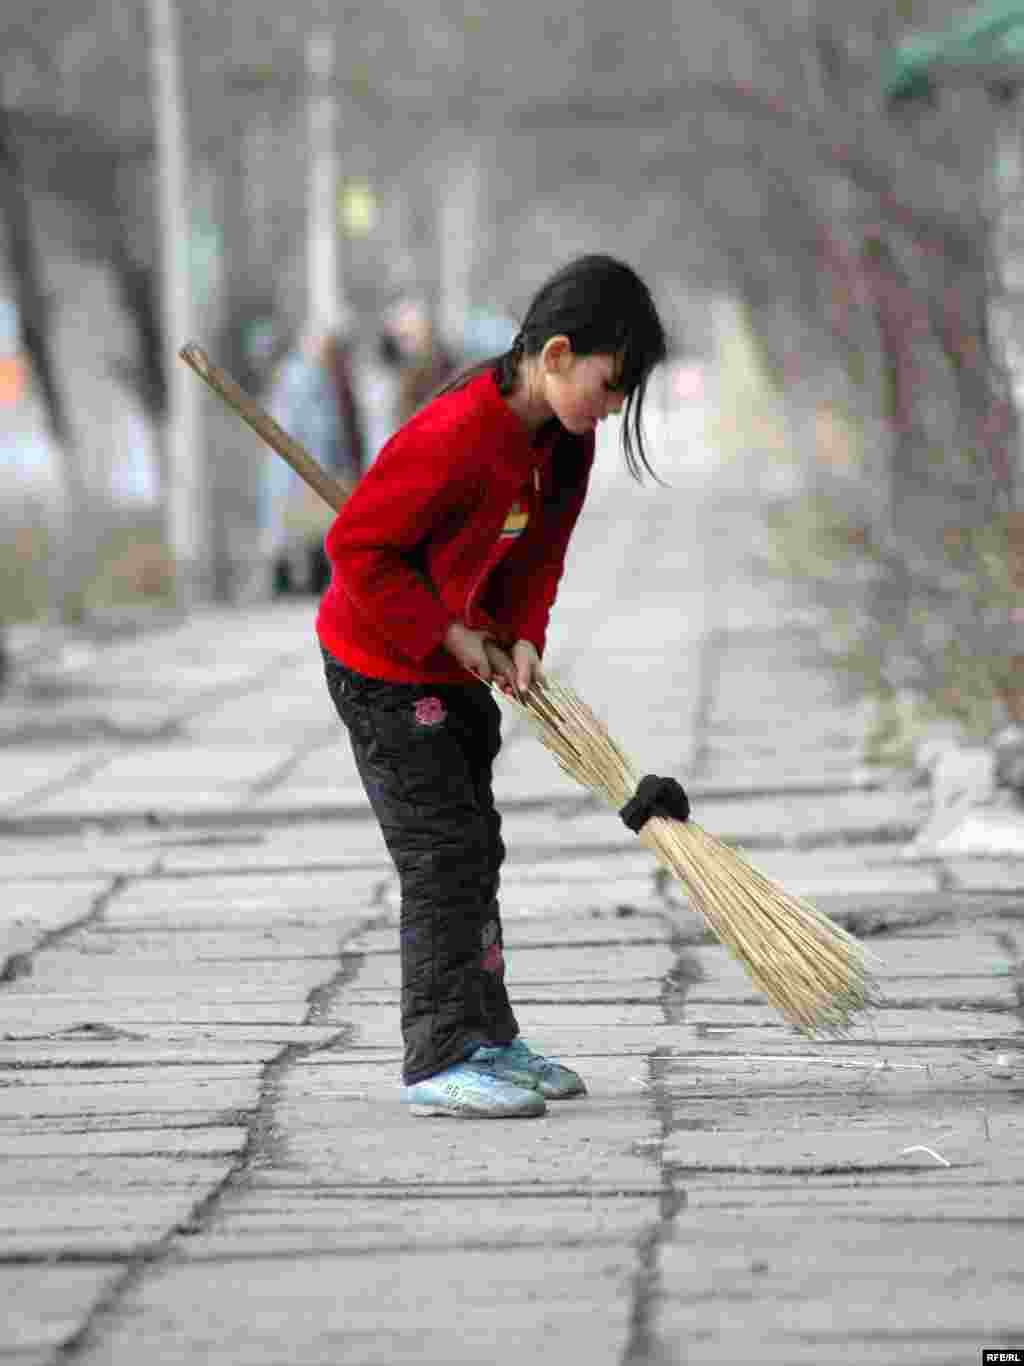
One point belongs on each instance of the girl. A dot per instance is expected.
(445, 563)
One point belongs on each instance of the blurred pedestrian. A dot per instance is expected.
(313, 397)
(446, 560)
(379, 384)
(424, 364)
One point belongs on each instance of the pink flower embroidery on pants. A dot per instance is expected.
(493, 960)
(430, 711)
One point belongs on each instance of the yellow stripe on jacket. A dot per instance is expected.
(517, 521)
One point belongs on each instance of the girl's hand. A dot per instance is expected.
(526, 663)
(503, 671)
(470, 649)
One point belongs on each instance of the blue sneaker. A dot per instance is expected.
(518, 1063)
(471, 1090)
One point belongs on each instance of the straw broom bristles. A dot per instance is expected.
(809, 968)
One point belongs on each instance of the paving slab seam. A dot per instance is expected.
(984, 1003)
(534, 1189)
(404, 1248)
(855, 1182)
(971, 1220)
(65, 1257)
(809, 1091)
(565, 806)
(643, 1346)
(604, 942)
(868, 1169)
(321, 736)
(234, 817)
(70, 731)
(277, 870)
(105, 1064)
(211, 699)
(886, 832)
(81, 773)
(258, 1149)
(988, 1042)
(20, 964)
(886, 836)
(173, 726)
(150, 1121)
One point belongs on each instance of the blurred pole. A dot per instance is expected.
(458, 224)
(183, 498)
(224, 442)
(1008, 195)
(257, 138)
(1008, 219)
(323, 275)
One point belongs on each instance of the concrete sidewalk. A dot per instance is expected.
(204, 1159)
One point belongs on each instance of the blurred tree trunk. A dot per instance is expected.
(71, 523)
(138, 287)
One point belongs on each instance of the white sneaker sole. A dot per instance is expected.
(458, 1112)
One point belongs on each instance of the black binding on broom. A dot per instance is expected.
(655, 796)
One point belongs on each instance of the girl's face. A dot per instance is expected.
(581, 390)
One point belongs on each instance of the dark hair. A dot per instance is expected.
(603, 307)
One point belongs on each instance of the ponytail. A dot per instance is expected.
(505, 369)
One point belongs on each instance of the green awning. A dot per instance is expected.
(988, 39)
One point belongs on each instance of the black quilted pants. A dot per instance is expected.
(425, 754)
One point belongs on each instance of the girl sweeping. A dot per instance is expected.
(445, 564)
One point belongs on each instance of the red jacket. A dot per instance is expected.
(457, 519)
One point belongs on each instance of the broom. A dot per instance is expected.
(809, 969)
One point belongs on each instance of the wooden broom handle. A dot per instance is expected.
(333, 491)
